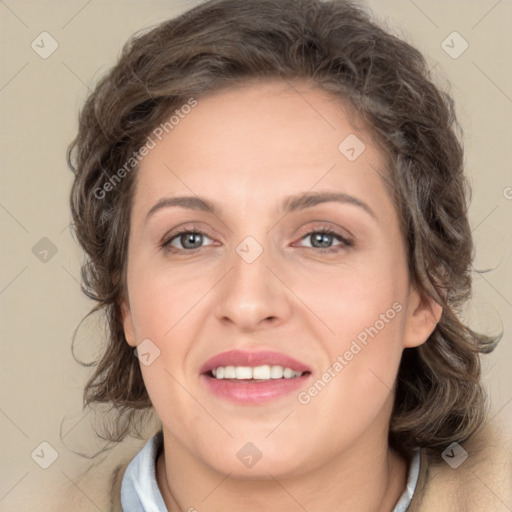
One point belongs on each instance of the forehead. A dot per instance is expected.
(259, 141)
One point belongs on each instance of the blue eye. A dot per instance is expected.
(187, 240)
(323, 239)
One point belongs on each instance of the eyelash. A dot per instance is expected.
(345, 242)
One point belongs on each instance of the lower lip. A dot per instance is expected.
(253, 392)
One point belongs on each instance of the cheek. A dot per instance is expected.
(363, 305)
(368, 338)
(351, 298)
(161, 299)
(167, 306)
(164, 314)
(158, 312)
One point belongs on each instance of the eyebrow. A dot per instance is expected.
(190, 202)
(309, 199)
(291, 203)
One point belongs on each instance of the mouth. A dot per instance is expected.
(253, 377)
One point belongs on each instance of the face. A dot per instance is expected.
(285, 261)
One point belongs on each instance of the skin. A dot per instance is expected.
(246, 150)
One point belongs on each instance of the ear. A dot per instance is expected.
(129, 331)
(423, 314)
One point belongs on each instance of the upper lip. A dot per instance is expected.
(253, 358)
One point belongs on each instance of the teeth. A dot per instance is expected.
(264, 372)
(288, 374)
(276, 372)
(261, 372)
(243, 372)
(230, 372)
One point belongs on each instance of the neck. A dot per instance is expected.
(365, 480)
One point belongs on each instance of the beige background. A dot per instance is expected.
(41, 302)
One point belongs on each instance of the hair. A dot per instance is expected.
(386, 83)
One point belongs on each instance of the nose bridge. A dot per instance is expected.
(251, 293)
(250, 271)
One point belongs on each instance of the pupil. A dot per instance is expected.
(188, 240)
(322, 238)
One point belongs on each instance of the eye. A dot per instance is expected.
(325, 240)
(185, 240)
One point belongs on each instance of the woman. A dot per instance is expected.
(272, 200)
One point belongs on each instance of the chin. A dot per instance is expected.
(258, 460)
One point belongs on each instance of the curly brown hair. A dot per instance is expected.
(337, 46)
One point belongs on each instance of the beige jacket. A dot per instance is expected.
(483, 483)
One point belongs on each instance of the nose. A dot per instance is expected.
(252, 296)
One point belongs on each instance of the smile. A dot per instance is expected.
(253, 377)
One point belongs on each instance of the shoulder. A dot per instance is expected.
(482, 482)
(99, 486)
